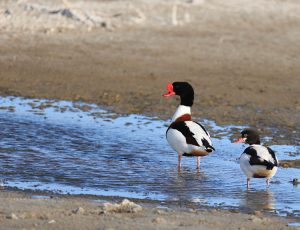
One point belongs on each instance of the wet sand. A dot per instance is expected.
(242, 59)
(20, 211)
(290, 163)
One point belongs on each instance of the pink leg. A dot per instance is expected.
(198, 163)
(179, 162)
(248, 183)
(268, 182)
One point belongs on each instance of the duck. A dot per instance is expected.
(185, 136)
(257, 161)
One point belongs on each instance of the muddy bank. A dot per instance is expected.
(242, 60)
(19, 211)
(290, 163)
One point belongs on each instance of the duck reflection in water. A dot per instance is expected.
(258, 200)
(187, 184)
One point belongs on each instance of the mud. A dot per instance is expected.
(241, 59)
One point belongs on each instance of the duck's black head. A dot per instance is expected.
(182, 89)
(249, 136)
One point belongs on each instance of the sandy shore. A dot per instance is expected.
(20, 211)
(242, 58)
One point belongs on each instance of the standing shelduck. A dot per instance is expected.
(256, 161)
(186, 137)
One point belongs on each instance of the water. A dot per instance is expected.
(76, 148)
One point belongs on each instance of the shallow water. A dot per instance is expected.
(77, 148)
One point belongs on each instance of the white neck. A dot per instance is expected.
(181, 110)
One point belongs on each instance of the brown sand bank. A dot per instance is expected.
(19, 211)
(241, 57)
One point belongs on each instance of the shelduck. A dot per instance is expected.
(257, 161)
(186, 137)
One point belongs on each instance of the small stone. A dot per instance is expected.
(125, 206)
(234, 211)
(257, 213)
(192, 210)
(51, 222)
(128, 206)
(13, 216)
(255, 219)
(159, 220)
(78, 210)
(7, 12)
(295, 181)
(201, 221)
(285, 165)
(44, 217)
(31, 215)
(77, 97)
(117, 98)
(264, 219)
(159, 212)
(213, 210)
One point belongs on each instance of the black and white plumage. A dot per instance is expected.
(186, 137)
(257, 161)
(189, 138)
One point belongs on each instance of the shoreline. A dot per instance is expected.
(42, 103)
(21, 209)
(179, 207)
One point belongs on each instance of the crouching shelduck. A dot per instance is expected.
(256, 161)
(186, 137)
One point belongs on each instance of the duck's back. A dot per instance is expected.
(260, 154)
(188, 136)
(258, 161)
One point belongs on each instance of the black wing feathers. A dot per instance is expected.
(256, 160)
(184, 129)
(189, 135)
(208, 147)
(272, 153)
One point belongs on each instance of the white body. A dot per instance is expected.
(261, 170)
(178, 141)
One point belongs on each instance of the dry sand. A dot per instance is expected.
(242, 58)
